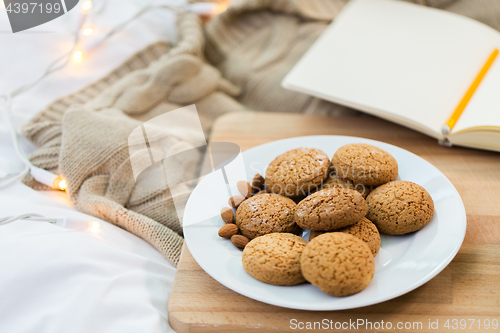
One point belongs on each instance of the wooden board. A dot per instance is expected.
(469, 288)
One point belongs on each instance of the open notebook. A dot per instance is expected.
(414, 65)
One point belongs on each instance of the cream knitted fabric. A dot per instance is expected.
(253, 44)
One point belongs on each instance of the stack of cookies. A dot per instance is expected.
(344, 203)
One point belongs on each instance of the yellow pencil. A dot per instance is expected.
(448, 126)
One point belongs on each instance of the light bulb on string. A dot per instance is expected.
(77, 56)
(208, 9)
(88, 31)
(94, 226)
(87, 5)
(221, 7)
(77, 224)
(60, 184)
(48, 178)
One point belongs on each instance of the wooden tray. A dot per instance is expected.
(469, 288)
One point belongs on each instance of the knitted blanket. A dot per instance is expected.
(235, 62)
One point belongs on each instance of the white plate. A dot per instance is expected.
(403, 263)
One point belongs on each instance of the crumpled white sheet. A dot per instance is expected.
(59, 280)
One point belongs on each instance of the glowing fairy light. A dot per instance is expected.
(77, 55)
(87, 5)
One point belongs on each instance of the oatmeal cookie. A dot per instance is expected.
(400, 207)
(364, 230)
(365, 164)
(338, 263)
(266, 213)
(330, 209)
(297, 172)
(275, 259)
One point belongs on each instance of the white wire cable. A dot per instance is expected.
(141, 12)
(10, 219)
(54, 66)
(64, 222)
(42, 175)
(11, 178)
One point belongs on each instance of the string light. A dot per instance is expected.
(77, 224)
(87, 5)
(88, 31)
(94, 226)
(77, 55)
(221, 7)
(60, 183)
(41, 175)
(208, 8)
(48, 178)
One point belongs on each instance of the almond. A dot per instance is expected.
(245, 188)
(258, 183)
(236, 200)
(228, 230)
(239, 241)
(227, 215)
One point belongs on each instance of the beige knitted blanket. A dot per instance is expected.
(235, 62)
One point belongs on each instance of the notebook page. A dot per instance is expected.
(483, 110)
(404, 62)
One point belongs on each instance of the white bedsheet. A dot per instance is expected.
(55, 279)
(60, 280)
